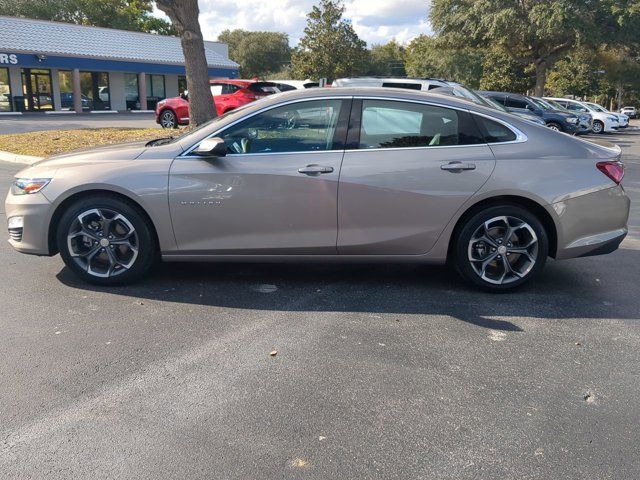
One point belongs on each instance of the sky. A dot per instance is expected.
(375, 21)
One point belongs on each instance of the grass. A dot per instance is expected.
(52, 142)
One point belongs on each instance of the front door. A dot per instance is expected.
(410, 169)
(36, 86)
(275, 192)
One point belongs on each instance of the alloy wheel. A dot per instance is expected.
(597, 127)
(103, 242)
(503, 250)
(167, 119)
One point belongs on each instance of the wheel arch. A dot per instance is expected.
(531, 205)
(64, 205)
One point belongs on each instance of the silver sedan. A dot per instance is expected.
(330, 175)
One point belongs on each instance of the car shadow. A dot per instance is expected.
(564, 290)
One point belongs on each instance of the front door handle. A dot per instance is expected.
(457, 166)
(315, 170)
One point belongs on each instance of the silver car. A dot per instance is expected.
(330, 175)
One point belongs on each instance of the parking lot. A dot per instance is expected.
(380, 372)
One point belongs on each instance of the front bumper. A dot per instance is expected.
(592, 224)
(36, 212)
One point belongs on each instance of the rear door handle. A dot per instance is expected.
(457, 166)
(315, 170)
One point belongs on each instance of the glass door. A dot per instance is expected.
(36, 87)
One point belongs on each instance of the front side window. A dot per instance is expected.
(517, 103)
(300, 127)
(393, 124)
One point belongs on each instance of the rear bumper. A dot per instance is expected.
(592, 224)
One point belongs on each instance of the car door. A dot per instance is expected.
(275, 192)
(408, 169)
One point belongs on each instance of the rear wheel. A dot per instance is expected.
(501, 248)
(598, 127)
(106, 241)
(168, 119)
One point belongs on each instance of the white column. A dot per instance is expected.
(77, 91)
(142, 89)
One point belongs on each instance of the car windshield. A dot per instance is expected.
(596, 107)
(541, 104)
(494, 104)
(557, 106)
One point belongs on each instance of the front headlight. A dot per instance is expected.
(572, 120)
(613, 119)
(26, 186)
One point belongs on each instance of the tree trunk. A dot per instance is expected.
(184, 16)
(541, 77)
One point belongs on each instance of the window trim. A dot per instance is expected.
(521, 137)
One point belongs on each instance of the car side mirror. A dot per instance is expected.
(211, 147)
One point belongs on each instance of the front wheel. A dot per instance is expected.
(106, 241)
(598, 127)
(554, 126)
(168, 119)
(501, 248)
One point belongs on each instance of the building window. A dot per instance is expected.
(36, 88)
(95, 87)
(155, 86)
(131, 91)
(182, 84)
(5, 91)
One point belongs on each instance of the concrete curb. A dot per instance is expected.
(15, 158)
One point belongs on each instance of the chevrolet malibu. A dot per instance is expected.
(325, 175)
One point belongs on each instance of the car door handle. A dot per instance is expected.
(315, 170)
(457, 166)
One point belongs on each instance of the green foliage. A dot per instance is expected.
(387, 60)
(330, 46)
(431, 57)
(258, 53)
(123, 14)
(580, 73)
(500, 72)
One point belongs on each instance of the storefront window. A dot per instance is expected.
(5, 91)
(155, 86)
(36, 89)
(131, 91)
(65, 79)
(182, 84)
(94, 86)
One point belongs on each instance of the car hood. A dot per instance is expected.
(111, 153)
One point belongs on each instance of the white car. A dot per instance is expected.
(631, 112)
(286, 85)
(623, 119)
(603, 121)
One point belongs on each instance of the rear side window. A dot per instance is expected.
(516, 103)
(394, 124)
(229, 88)
(493, 131)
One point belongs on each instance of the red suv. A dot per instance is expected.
(227, 94)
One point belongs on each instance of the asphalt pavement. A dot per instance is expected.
(35, 122)
(390, 372)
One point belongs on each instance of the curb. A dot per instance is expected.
(15, 158)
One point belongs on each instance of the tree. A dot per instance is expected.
(258, 53)
(133, 15)
(184, 16)
(387, 60)
(429, 56)
(535, 33)
(330, 46)
(501, 72)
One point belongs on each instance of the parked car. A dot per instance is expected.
(585, 119)
(555, 119)
(440, 86)
(227, 95)
(422, 178)
(623, 120)
(602, 122)
(286, 85)
(629, 111)
(66, 99)
(520, 112)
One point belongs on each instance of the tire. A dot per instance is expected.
(119, 255)
(598, 127)
(168, 119)
(555, 126)
(483, 238)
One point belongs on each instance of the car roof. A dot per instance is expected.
(233, 81)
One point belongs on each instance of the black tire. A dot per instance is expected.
(130, 226)
(168, 119)
(598, 127)
(463, 247)
(555, 126)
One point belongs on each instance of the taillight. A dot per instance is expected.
(612, 169)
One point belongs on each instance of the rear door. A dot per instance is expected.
(407, 170)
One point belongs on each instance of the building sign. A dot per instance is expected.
(8, 59)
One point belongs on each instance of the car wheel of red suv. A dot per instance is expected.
(168, 119)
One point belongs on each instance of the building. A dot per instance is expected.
(52, 66)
